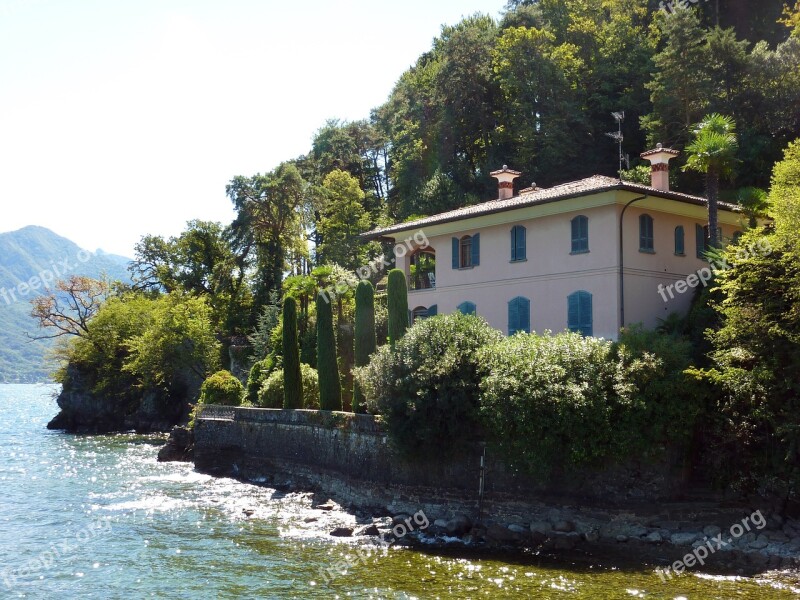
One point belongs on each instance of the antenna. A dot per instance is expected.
(619, 117)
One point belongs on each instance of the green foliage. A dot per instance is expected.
(784, 196)
(564, 401)
(330, 389)
(398, 305)
(293, 384)
(426, 385)
(222, 388)
(258, 375)
(178, 348)
(261, 339)
(365, 338)
(271, 393)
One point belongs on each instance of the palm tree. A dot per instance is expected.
(713, 152)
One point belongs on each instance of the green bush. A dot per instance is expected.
(553, 400)
(426, 386)
(271, 393)
(397, 292)
(293, 383)
(222, 388)
(330, 388)
(258, 375)
(365, 339)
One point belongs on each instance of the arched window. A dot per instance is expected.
(580, 234)
(646, 242)
(419, 313)
(579, 312)
(679, 241)
(519, 315)
(467, 308)
(423, 270)
(518, 249)
(467, 251)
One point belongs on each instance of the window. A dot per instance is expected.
(519, 315)
(701, 240)
(467, 251)
(580, 234)
(679, 241)
(579, 312)
(467, 308)
(646, 234)
(423, 270)
(517, 243)
(419, 313)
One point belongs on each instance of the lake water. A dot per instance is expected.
(99, 517)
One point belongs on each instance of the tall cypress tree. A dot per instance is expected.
(365, 340)
(330, 388)
(292, 380)
(398, 305)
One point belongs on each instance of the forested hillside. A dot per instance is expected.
(29, 258)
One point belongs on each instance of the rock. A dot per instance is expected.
(564, 526)
(400, 519)
(711, 531)
(653, 538)
(761, 542)
(310, 519)
(499, 535)
(566, 541)
(629, 530)
(342, 532)
(794, 545)
(371, 530)
(541, 527)
(329, 505)
(778, 536)
(591, 536)
(249, 512)
(622, 539)
(518, 529)
(458, 526)
(683, 538)
(178, 447)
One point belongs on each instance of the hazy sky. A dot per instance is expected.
(119, 119)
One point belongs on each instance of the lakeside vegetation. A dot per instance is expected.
(718, 388)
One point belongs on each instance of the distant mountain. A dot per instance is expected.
(29, 258)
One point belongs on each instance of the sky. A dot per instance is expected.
(120, 119)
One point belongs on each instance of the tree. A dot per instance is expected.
(69, 309)
(293, 383)
(397, 292)
(330, 389)
(342, 220)
(784, 196)
(269, 218)
(713, 152)
(365, 338)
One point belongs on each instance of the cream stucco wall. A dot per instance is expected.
(551, 272)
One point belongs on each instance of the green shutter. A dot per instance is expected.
(476, 249)
(525, 316)
(467, 308)
(513, 243)
(455, 253)
(518, 239)
(586, 313)
(699, 240)
(679, 240)
(573, 312)
(433, 310)
(513, 319)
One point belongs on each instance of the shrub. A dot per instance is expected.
(271, 393)
(258, 375)
(398, 305)
(222, 388)
(330, 388)
(553, 400)
(365, 339)
(426, 386)
(293, 384)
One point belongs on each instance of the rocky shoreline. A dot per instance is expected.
(674, 537)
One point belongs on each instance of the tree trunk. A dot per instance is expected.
(712, 189)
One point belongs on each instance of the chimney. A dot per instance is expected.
(505, 178)
(659, 159)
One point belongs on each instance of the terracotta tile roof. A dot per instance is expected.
(583, 187)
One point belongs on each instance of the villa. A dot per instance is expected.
(592, 255)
